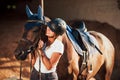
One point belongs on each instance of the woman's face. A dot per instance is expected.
(50, 33)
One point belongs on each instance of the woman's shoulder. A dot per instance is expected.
(57, 41)
(58, 46)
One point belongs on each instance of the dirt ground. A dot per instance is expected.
(11, 29)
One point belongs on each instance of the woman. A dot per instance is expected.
(49, 52)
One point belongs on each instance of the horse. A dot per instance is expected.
(70, 63)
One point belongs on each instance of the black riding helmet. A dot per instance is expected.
(57, 25)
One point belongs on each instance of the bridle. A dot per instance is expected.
(31, 47)
(32, 44)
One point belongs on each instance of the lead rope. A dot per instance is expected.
(39, 67)
(20, 70)
(42, 2)
(31, 62)
(39, 77)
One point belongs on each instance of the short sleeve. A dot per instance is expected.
(58, 47)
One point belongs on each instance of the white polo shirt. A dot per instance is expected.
(56, 46)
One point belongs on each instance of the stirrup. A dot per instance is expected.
(90, 70)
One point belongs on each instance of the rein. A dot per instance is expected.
(31, 50)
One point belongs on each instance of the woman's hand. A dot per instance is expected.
(40, 47)
(40, 44)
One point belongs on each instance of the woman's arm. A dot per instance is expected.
(49, 63)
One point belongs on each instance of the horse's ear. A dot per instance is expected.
(28, 11)
(40, 14)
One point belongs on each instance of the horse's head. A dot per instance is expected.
(34, 30)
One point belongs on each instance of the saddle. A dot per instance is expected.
(84, 43)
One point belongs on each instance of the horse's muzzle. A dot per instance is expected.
(20, 54)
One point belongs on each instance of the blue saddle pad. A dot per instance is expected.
(88, 39)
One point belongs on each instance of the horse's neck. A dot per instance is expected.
(66, 41)
(59, 38)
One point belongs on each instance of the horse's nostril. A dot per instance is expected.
(20, 54)
(17, 53)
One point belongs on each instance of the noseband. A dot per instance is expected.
(32, 46)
